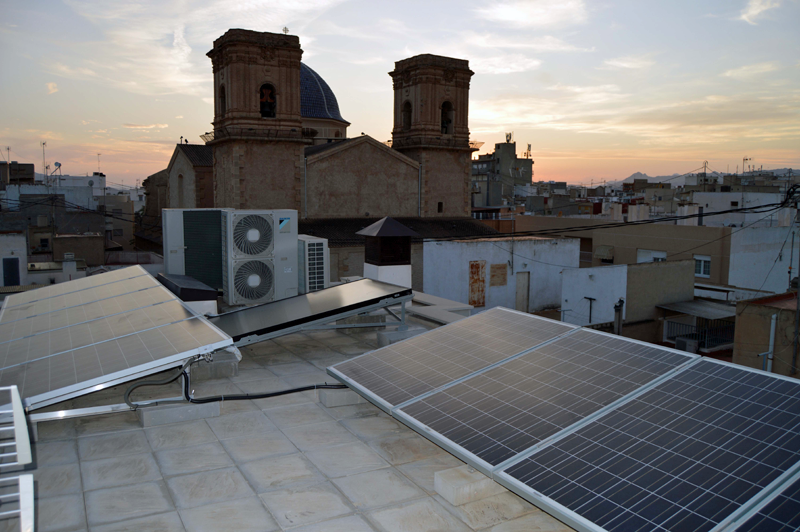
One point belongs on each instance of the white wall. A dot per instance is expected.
(721, 201)
(81, 196)
(15, 245)
(753, 253)
(446, 269)
(606, 284)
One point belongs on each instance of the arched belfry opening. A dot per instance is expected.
(406, 112)
(222, 101)
(448, 117)
(267, 101)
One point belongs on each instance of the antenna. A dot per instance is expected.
(509, 136)
(98, 161)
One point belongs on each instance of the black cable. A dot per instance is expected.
(241, 397)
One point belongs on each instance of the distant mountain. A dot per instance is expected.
(678, 180)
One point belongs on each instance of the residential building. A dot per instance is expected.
(522, 273)
(15, 173)
(588, 295)
(14, 255)
(754, 258)
(764, 322)
(495, 175)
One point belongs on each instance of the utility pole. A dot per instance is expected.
(797, 311)
(8, 160)
(44, 169)
(591, 300)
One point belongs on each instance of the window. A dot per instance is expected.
(180, 191)
(440, 207)
(734, 204)
(117, 232)
(44, 243)
(447, 118)
(222, 101)
(406, 112)
(650, 255)
(267, 101)
(702, 266)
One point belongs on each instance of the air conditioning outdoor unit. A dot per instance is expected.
(259, 252)
(193, 244)
(313, 263)
(686, 344)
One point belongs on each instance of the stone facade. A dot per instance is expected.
(257, 137)
(360, 178)
(431, 126)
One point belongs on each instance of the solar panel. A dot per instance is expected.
(75, 285)
(505, 410)
(52, 321)
(399, 372)
(78, 298)
(70, 341)
(781, 513)
(683, 455)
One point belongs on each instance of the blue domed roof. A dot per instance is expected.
(316, 98)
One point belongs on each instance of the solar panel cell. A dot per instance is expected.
(693, 458)
(403, 371)
(501, 412)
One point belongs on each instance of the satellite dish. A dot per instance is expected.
(58, 165)
(91, 183)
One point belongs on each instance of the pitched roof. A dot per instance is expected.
(319, 148)
(198, 154)
(341, 232)
(387, 227)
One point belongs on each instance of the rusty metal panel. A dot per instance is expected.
(498, 274)
(477, 283)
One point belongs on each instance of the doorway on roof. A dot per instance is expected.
(11, 271)
(523, 291)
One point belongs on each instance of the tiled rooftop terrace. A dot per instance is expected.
(283, 463)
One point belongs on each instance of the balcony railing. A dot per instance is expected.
(586, 256)
(716, 333)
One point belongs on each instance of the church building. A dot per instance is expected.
(279, 141)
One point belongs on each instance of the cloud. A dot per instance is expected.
(504, 64)
(535, 13)
(546, 43)
(755, 8)
(751, 71)
(148, 126)
(52, 88)
(179, 116)
(628, 63)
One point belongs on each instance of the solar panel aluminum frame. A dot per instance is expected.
(100, 383)
(581, 524)
(490, 470)
(389, 408)
(139, 272)
(760, 501)
(155, 285)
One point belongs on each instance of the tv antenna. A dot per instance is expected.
(98, 161)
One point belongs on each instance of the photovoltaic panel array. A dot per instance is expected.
(75, 285)
(683, 455)
(503, 411)
(106, 328)
(780, 514)
(75, 299)
(399, 372)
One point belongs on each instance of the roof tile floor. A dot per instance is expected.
(283, 463)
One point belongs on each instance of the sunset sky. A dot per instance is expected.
(599, 89)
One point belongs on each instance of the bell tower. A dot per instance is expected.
(431, 126)
(257, 138)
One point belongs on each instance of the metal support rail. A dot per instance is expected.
(14, 439)
(23, 497)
